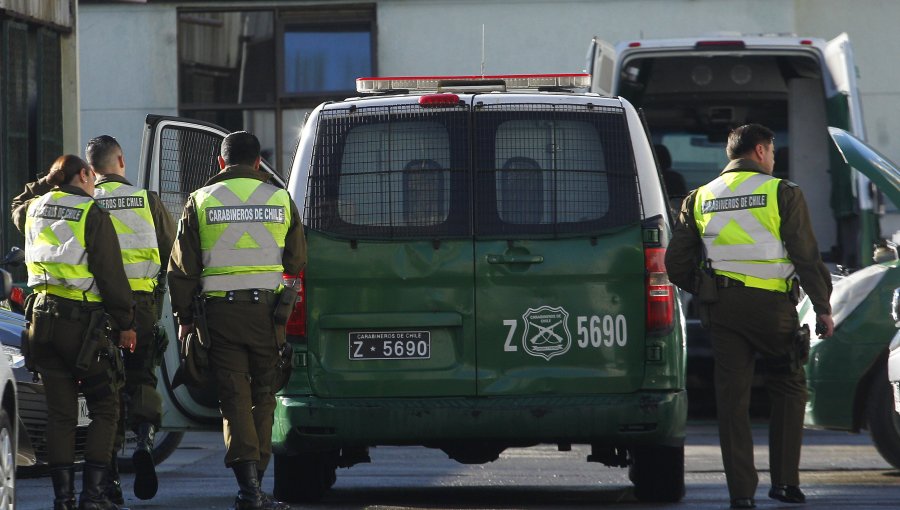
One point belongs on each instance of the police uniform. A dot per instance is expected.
(146, 233)
(756, 231)
(236, 238)
(75, 270)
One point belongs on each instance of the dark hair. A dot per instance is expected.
(65, 168)
(240, 148)
(101, 152)
(742, 140)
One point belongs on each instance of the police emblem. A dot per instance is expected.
(546, 332)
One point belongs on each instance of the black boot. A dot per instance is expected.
(249, 496)
(113, 485)
(268, 502)
(92, 494)
(145, 482)
(63, 487)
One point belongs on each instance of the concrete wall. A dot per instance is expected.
(521, 36)
(128, 65)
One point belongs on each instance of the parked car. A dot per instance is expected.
(9, 416)
(847, 374)
(459, 284)
(32, 415)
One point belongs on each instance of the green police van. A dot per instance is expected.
(485, 272)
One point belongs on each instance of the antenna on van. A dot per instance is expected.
(482, 51)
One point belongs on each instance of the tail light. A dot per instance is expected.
(660, 292)
(296, 324)
(17, 296)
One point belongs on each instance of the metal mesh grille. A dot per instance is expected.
(14, 146)
(548, 169)
(188, 158)
(49, 141)
(390, 172)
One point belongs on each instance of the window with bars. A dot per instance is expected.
(407, 172)
(188, 158)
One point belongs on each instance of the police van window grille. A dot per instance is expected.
(390, 172)
(188, 158)
(552, 170)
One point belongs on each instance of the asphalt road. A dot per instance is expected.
(839, 471)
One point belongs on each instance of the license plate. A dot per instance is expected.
(390, 345)
(83, 415)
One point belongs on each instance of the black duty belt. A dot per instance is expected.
(723, 282)
(71, 309)
(246, 296)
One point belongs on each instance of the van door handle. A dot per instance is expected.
(515, 259)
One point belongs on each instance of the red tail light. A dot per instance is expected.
(660, 292)
(296, 325)
(17, 296)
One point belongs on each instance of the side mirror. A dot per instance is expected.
(5, 284)
(15, 257)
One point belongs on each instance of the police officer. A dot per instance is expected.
(75, 269)
(236, 238)
(146, 233)
(752, 234)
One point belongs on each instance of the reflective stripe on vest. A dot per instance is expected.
(55, 252)
(129, 207)
(243, 225)
(739, 222)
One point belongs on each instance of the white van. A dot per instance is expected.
(694, 90)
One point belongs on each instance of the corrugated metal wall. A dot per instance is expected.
(56, 12)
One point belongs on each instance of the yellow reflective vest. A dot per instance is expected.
(243, 224)
(55, 253)
(129, 209)
(739, 222)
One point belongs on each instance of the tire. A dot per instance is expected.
(7, 463)
(303, 478)
(884, 422)
(165, 444)
(657, 473)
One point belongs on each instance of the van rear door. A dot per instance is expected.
(559, 268)
(601, 66)
(839, 59)
(389, 277)
(178, 156)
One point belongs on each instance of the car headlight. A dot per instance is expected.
(14, 355)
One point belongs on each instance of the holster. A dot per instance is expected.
(198, 305)
(95, 338)
(707, 294)
(25, 345)
(796, 357)
(43, 318)
(162, 343)
(284, 307)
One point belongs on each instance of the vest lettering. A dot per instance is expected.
(734, 203)
(116, 203)
(245, 214)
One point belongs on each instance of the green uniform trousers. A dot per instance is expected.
(141, 403)
(744, 322)
(243, 358)
(55, 361)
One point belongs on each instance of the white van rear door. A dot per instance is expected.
(839, 58)
(601, 66)
(178, 156)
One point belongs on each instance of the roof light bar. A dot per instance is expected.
(512, 81)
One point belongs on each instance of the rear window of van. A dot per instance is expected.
(409, 172)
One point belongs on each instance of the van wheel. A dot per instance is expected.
(884, 422)
(303, 478)
(657, 473)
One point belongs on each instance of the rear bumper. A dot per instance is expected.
(307, 423)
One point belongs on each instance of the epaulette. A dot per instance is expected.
(790, 183)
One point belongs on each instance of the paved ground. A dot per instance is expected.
(840, 471)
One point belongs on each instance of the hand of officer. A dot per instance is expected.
(128, 340)
(825, 325)
(184, 330)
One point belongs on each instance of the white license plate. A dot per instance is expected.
(390, 345)
(83, 418)
(896, 387)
